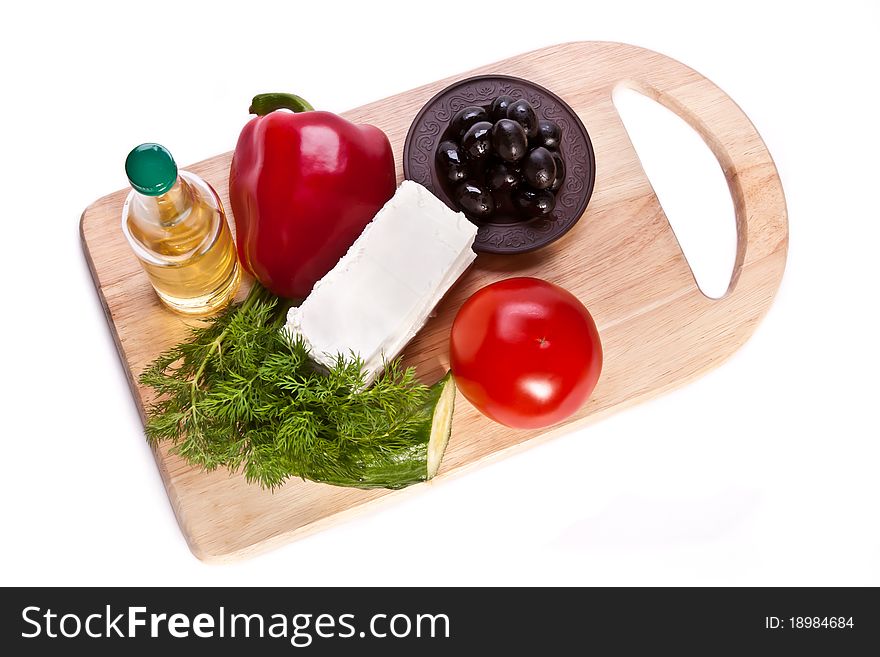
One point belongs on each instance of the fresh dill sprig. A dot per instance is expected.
(243, 394)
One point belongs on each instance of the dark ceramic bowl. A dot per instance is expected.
(505, 233)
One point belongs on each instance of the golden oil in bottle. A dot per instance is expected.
(175, 223)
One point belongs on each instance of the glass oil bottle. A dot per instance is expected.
(175, 223)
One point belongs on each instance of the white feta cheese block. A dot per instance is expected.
(382, 291)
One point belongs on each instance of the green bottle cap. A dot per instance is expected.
(150, 169)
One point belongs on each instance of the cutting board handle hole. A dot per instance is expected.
(690, 185)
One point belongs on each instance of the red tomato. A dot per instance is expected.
(525, 352)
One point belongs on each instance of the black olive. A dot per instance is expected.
(560, 172)
(502, 177)
(474, 200)
(499, 107)
(456, 173)
(465, 118)
(450, 161)
(509, 140)
(539, 169)
(522, 112)
(534, 203)
(549, 135)
(477, 141)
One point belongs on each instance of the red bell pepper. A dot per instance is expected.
(303, 186)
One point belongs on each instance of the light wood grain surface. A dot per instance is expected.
(622, 260)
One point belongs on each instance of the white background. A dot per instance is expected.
(765, 471)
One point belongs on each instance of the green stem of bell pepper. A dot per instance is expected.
(262, 104)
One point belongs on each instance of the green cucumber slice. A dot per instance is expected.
(418, 461)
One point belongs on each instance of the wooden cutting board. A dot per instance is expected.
(622, 260)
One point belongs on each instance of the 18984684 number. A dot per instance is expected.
(816, 622)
